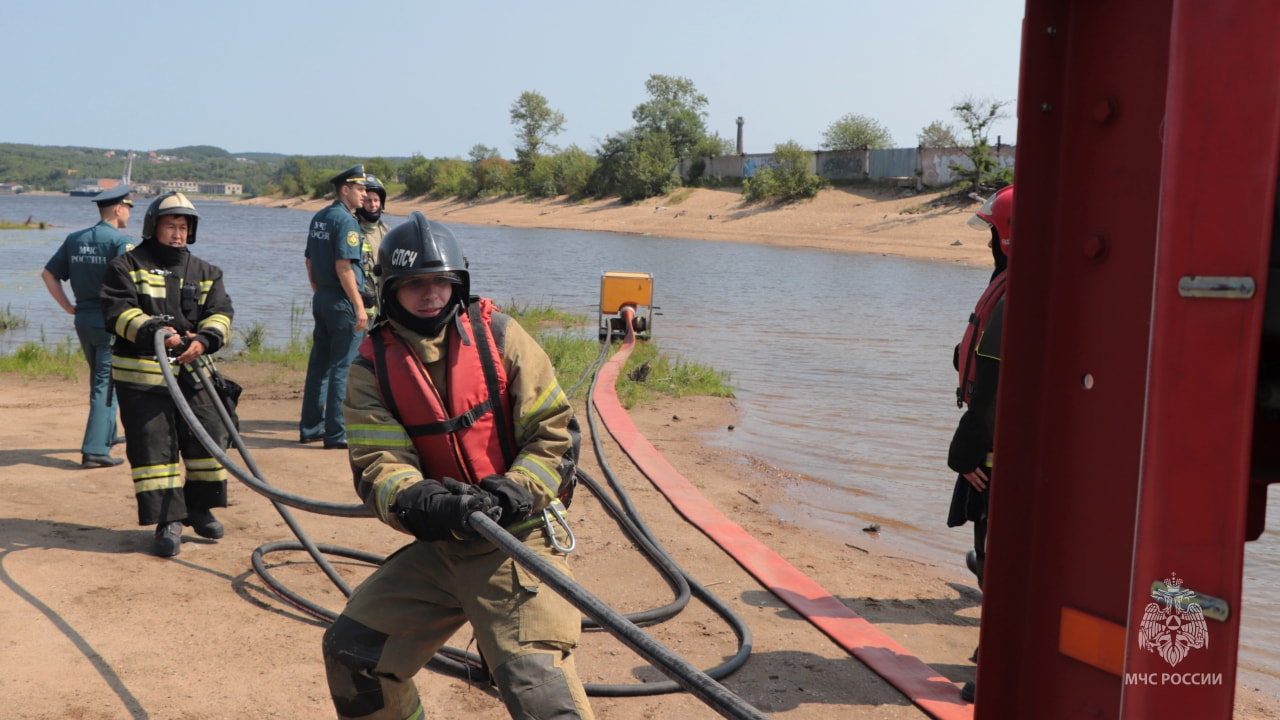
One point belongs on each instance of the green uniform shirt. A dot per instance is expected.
(334, 235)
(83, 259)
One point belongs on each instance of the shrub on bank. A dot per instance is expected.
(787, 179)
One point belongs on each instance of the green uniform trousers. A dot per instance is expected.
(406, 611)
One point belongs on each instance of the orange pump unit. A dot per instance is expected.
(619, 290)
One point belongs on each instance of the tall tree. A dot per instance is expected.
(978, 115)
(380, 168)
(854, 132)
(676, 109)
(535, 123)
(480, 152)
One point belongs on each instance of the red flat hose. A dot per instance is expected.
(937, 696)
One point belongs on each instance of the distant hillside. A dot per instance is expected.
(59, 168)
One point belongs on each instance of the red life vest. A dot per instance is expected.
(972, 334)
(464, 440)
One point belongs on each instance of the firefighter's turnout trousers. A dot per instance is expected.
(406, 611)
(156, 437)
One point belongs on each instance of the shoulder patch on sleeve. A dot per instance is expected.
(353, 238)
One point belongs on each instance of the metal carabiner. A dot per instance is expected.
(551, 531)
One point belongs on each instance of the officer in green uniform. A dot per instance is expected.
(333, 255)
(83, 259)
(371, 226)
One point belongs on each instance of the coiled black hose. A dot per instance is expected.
(625, 628)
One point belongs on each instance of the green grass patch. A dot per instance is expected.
(573, 349)
(568, 339)
(541, 318)
(293, 356)
(667, 377)
(40, 360)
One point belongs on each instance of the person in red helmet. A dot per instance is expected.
(977, 362)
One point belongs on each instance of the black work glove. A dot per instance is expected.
(516, 502)
(439, 510)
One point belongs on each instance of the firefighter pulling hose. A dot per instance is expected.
(684, 675)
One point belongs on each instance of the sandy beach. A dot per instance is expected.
(864, 218)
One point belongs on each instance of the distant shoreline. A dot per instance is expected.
(867, 220)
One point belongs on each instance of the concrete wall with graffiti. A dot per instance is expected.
(931, 166)
(935, 163)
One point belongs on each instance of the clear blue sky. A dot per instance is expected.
(397, 77)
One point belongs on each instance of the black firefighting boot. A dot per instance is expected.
(168, 540)
(205, 525)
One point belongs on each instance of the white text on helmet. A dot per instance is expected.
(403, 257)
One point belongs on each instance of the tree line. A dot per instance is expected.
(641, 161)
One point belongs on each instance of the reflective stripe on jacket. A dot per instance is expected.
(144, 290)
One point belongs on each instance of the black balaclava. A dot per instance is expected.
(168, 256)
(367, 216)
(997, 253)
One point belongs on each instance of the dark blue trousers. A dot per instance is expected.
(100, 430)
(334, 345)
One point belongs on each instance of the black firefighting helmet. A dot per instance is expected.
(418, 247)
(170, 203)
(373, 185)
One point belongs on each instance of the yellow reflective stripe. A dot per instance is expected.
(218, 323)
(391, 486)
(128, 323)
(550, 402)
(142, 276)
(140, 371)
(378, 436)
(535, 469)
(205, 286)
(216, 475)
(156, 477)
(208, 463)
(149, 284)
(991, 459)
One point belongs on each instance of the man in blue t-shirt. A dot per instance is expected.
(334, 251)
(83, 259)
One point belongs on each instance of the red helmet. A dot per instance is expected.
(997, 212)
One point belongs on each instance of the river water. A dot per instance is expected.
(841, 363)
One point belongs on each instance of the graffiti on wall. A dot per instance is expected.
(840, 167)
(751, 164)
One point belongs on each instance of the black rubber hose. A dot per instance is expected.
(261, 486)
(673, 666)
(632, 517)
(457, 661)
(180, 401)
